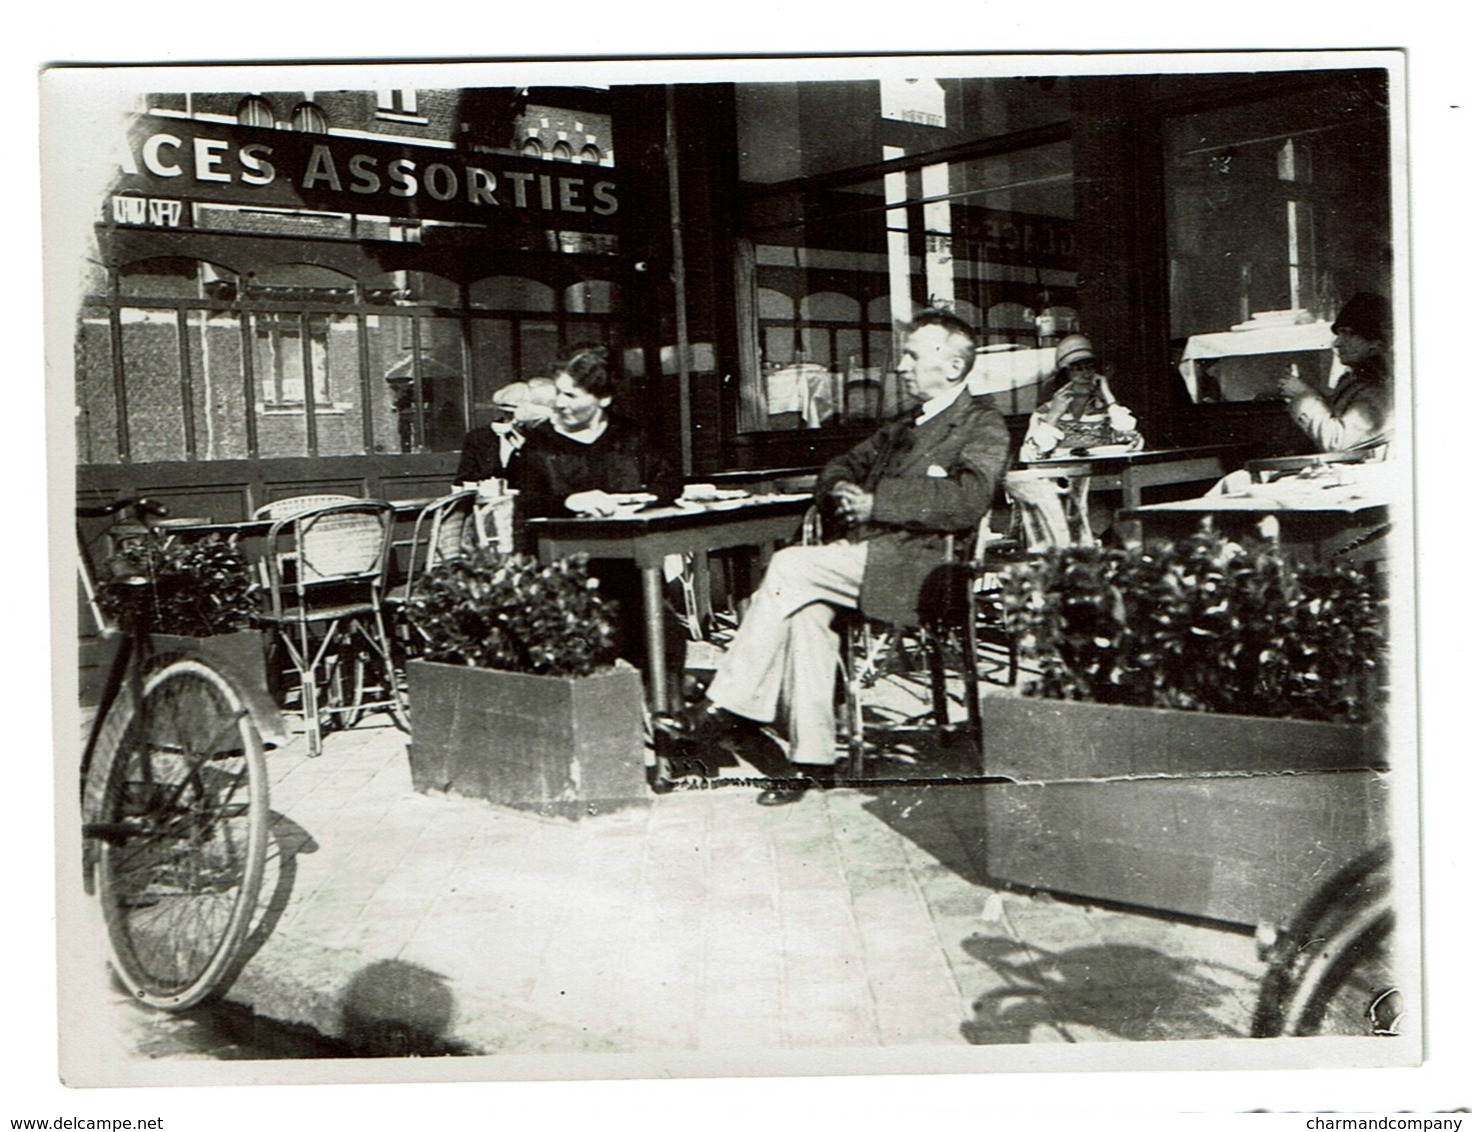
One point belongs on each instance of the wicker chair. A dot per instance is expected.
(326, 568)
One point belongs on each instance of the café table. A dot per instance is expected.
(1311, 521)
(1131, 473)
(646, 536)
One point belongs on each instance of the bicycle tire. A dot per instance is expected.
(179, 833)
(1333, 970)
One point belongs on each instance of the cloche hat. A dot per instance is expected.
(1074, 348)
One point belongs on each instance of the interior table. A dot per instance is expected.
(649, 535)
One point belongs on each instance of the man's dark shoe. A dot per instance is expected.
(706, 736)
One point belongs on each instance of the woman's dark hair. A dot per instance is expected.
(592, 368)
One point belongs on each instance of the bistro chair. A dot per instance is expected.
(286, 507)
(1049, 509)
(327, 610)
(446, 530)
(291, 505)
(960, 607)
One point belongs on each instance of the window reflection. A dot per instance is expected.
(991, 238)
(1277, 211)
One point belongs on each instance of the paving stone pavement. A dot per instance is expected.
(855, 919)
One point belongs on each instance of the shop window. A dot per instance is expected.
(594, 296)
(97, 407)
(1277, 211)
(289, 359)
(511, 293)
(294, 282)
(152, 383)
(175, 277)
(561, 151)
(591, 155)
(989, 238)
(217, 387)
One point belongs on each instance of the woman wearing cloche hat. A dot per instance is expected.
(1082, 414)
(1083, 411)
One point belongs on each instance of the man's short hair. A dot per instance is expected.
(955, 326)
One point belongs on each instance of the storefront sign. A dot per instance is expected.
(222, 163)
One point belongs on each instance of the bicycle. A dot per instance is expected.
(1331, 971)
(174, 797)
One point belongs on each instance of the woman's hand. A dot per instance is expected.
(594, 502)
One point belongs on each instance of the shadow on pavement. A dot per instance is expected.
(397, 1009)
(1132, 992)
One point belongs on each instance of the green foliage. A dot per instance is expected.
(488, 610)
(194, 589)
(1203, 625)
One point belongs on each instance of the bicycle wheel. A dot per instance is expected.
(180, 832)
(1334, 973)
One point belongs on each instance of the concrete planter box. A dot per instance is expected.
(1229, 818)
(565, 746)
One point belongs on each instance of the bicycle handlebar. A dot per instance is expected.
(141, 507)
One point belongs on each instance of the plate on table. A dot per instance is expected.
(1108, 450)
(719, 500)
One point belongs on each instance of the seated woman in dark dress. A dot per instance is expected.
(579, 462)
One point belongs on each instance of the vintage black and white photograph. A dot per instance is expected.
(733, 567)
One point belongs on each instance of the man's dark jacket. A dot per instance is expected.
(928, 481)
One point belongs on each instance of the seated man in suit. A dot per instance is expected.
(897, 495)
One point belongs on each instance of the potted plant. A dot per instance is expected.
(1206, 734)
(196, 595)
(516, 696)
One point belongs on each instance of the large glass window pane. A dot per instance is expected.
(97, 417)
(511, 293)
(169, 277)
(540, 348)
(492, 363)
(787, 130)
(391, 383)
(990, 238)
(339, 411)
(1277, 211)
(442, 383)
(280, 366)
(151, 378)
(218, 385)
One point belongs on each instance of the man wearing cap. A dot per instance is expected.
(1356, 412)
(487, 451)
(895, 498)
